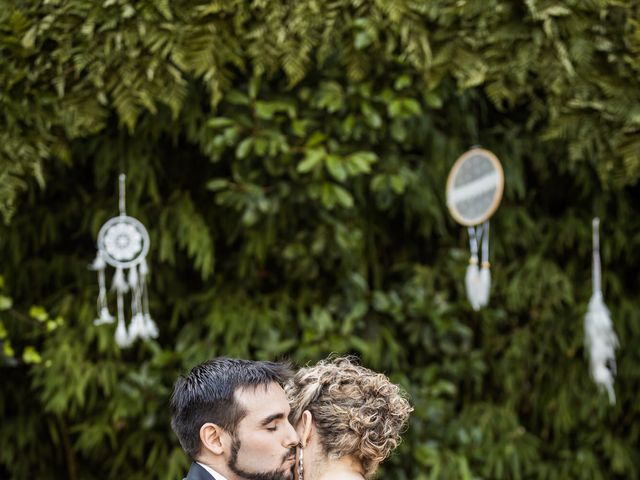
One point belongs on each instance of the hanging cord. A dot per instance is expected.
(596, 273)
(473, 245)
(471, 279)
(122, 202)
(485, 245)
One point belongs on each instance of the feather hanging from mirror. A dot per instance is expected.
(600, 338)
(123, 243)
(478, 276)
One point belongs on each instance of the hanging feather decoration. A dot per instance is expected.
(478, 280)
(600, 338)
(123, 243)
(472, 277)
(474, 191)
(484, 281)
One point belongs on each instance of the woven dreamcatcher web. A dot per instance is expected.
(474, 191)
(123, 243)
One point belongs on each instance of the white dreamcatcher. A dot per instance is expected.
(474, 191)
(123, 243)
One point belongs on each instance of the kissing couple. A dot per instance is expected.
(254, 420)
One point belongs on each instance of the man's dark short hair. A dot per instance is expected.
(206, 394)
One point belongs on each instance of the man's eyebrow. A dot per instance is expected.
(271, 418)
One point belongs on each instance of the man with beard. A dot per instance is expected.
(231, 417)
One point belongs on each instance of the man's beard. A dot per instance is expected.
(272, 475)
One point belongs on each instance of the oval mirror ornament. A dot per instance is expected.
(474, 187)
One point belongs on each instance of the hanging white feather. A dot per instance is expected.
(104, 316)
(485, 285)
(119, 283)
(472, 276)
(484, 289)
(151, 327)
(98, 263)
(137, 327)
(144, 269)
(600, 338)
(472, 283)
(122, 337)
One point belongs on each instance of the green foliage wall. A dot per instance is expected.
(289, 160)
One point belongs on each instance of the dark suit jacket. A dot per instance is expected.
(196, 472)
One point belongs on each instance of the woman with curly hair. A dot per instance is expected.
(349, 419)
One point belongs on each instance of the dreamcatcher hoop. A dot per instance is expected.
(123, 241)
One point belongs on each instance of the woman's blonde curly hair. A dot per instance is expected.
(356, 411)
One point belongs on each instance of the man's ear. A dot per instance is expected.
(211, 438)
(306, 426)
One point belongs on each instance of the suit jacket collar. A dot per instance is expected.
(196, 472)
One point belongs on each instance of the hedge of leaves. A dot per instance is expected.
(289, 160)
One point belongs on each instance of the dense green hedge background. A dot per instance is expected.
(289, 160)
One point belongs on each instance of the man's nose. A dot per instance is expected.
(291, 438)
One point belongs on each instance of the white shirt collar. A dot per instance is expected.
(213, 473)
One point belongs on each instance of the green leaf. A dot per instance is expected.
(315, 139)
(30, 355)
(219, 122)
(244, 148)
(313, 158)
(39, 313)
(5, 303)
(29, 38)
(264, 110)
(335, 167)
(7, 349)
(216, 184)
(398, 184)
(344, 197)
(433, 100)
(237, 98)
(362, 40)
(403, 81)
(373, 118)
